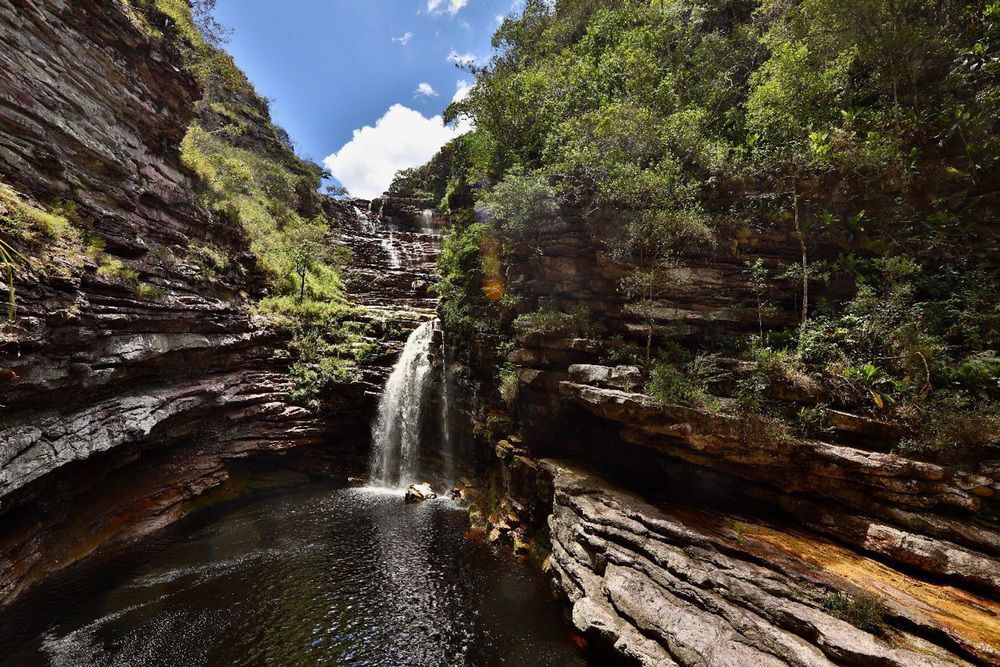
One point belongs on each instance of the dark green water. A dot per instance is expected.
(321, 576)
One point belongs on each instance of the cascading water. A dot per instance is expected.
(447, 446)
(397, 429)
(427, 221)
(389, 245)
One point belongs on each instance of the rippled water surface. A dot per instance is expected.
(339, 577)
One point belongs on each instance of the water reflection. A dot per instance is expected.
(317, 577)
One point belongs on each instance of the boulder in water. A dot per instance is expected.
(419, 492)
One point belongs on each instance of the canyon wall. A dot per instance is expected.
(131, 376)
(693, 536)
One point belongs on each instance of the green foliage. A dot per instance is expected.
(509, 384)
(148, 292)
(656, 127)
(114, 269)
(210, 259)
(470, 280)
(863, 611)
(520, 202)
(254, 180)
(790, 92)
(671, 384)
(572, 322)
(21, 220)
(957, 428)
(328, 352)
(813, 421)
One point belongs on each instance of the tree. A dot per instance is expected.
(309, 247)
(203, 13)
(757, 281)
(521, 203)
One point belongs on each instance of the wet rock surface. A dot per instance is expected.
(417, 493)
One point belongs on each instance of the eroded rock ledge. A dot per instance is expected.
(671, 585)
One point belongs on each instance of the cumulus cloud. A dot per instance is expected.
(425, 89)
(462, 89)
(452, 7)
(403, 39)
(461, 59)
(401, 139)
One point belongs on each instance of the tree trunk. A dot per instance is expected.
(805, 262)
(302, 288)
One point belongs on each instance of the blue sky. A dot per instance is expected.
(360, 84)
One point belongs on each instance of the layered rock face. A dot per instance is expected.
(740, 545)
(121, 405)
(667, 584)
(98, 382)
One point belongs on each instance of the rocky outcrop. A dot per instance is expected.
(668, 584)
(417, 493)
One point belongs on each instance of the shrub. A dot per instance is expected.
(863, 611)
(955, 427)
(813, 421)
(671, 384)
(552, 321)
(148, 292)
(509, 385)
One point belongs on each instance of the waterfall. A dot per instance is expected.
(389, 245)
(397, 429)
(367, 225)
(427, 221)
(447, 448)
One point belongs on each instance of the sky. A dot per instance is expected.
(360, 85)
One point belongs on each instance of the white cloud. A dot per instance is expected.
(403, 39)
(462, 59)
(426, 90)
(462, 89)
(401, 139)
(452, 7)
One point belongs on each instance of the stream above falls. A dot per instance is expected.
(296, 577)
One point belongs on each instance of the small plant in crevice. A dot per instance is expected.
(147, 292)
(864, 611)
(813, 421)
(114, 269)
(509, 384)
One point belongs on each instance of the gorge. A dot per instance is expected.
(693, 338)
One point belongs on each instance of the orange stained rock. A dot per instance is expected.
(972, 619)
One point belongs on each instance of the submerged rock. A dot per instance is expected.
(419, 493)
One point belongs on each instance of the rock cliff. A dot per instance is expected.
(707, 538)
(135, 371)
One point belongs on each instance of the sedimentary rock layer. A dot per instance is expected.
(666, 584)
